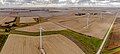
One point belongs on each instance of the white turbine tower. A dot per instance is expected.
(41, 40)
(101, 15)
(88, 16)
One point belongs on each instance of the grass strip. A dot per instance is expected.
(87, 43)
(116, 49)
(25, 33)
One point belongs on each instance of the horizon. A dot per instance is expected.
(59, 3)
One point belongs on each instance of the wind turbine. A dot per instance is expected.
(41, 41)
(101, 15)
(88, 15)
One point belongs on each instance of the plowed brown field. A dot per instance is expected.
(53, 44)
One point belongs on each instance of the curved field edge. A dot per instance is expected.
(3, 36)
(87, 43)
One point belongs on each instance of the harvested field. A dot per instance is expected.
(27, 19)
(4, 14)
(97, 27)
(58, 44)
(20, 44)
(47, 26)
(114, 39)
(2, 17)
(71, 22)
(53, 44)
(53, 13)
(6, 19)
(33, 28)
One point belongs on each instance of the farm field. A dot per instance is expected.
(113, 43)
(64, 31)
(60, 44)
(22, 44)
(18, 44)
(99, 28)
(27, 19)
(4, 19)
(87, 43)
(78, 23)
(47, 26)
(52, 27)
(3, 33)
(5, 28)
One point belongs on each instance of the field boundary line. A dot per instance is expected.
(106, 36)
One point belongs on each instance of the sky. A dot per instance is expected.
(28, 3)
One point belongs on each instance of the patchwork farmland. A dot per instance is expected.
(58, 31)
